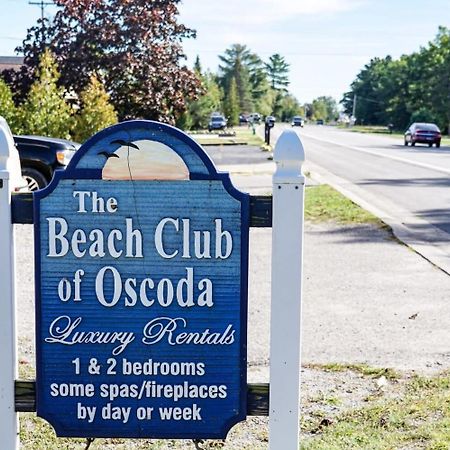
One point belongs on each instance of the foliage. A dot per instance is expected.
(289, 107)
(278, 72)
(400, 91)
(264, 105)
(325, 108)
(235, 63)
(135, 46)
(423, 115)
(231, 104)
(199, 111)
(45, 111)
(96, 111)
(261, 86)
(8, 109)
(259, 82)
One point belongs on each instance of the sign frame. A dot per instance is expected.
(201, 168)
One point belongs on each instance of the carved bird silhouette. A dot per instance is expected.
(124, 143)
(108, 155)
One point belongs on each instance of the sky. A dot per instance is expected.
(326, 42)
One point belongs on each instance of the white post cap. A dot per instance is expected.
(9, 158)
(289, 156)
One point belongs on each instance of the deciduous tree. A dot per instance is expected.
(134, 44)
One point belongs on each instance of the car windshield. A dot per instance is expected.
(217, 119)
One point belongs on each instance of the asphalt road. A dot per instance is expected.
(407, 187)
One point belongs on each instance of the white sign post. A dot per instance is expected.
(8, 364)
(287, 263)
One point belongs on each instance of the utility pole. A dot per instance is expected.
(354, 105)
(42, 4)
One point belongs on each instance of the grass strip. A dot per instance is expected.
(363, 369)
(243, 136)
(323, 203)
(420, 419)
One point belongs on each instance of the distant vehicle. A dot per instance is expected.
(319, 122)
(217, 123)
(41, 156)
(423, 133)
(254, 117)
(297, 121)
(243, 118)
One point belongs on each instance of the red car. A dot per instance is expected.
(423, 133)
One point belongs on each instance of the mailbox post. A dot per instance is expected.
(8, 344)
(269, 124)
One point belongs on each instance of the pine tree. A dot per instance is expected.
(234, 63)
(278, 72)
(96, 111)
(45, 111)
(197, 66)
(8, 109)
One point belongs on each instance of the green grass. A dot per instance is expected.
(323, 203)
(244, 136)
(420, 419)
(363, 369)
(372, 129)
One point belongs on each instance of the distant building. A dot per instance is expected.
(11, 62)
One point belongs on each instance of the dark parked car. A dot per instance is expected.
(423, 133)
(41, 156)
(243, 118)
(297, 121)
(319, 122)
(217, 123)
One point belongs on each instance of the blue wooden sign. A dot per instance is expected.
(141, 251)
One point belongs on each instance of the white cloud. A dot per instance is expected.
(260, 12)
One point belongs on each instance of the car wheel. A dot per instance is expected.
(430, 145)
(413, 143)
(438, 144)
(35, 180)
(406, 143)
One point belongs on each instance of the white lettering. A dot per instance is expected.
(99, 286)
(55, 237)
(159, 237)
(228, 241)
